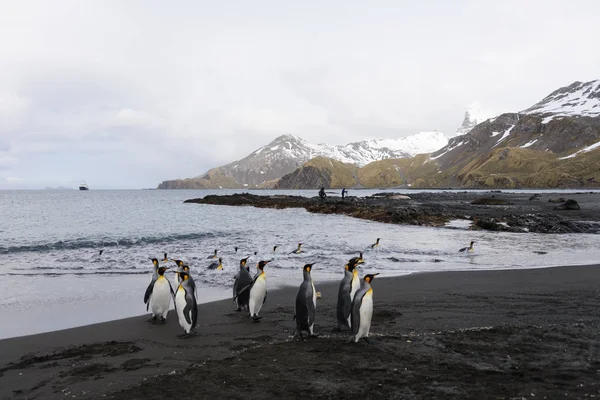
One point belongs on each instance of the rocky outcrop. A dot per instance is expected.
(426, 209)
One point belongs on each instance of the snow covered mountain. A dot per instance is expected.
(474, 115)
(577, 99)
(288, 152)
(564, 125)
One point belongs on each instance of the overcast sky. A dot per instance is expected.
(125, 94)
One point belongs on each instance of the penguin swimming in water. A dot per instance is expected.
(257, 291)
(242, 280)
(186, 305)
(100, 253)
(213, 255)
(346, 291)
(376, 244)
(362, 310)
(275, 248)
(158, 295)
(298, 249)
(165, 259)
(467, 249)
(306, 304)
(235, 249)
(216, 265)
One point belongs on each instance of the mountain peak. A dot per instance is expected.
(473, 115)
(576, 99)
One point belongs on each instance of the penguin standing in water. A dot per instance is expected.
(376, 244)
(216, 265)
(346, 292)
(362, 310)
(298, 249)
(467, 249)
(306, 304)
(242, 280)
(186, 305)
(213, 255)
(158, 295)
(257, 291)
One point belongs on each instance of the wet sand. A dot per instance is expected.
(484, 334)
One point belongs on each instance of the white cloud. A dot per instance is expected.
(131, 93)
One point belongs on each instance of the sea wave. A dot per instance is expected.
(87, 243)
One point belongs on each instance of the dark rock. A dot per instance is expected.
(491, 201)
(568, 205)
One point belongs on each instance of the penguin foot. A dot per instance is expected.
(162, 320)
(313, 335)
(350, 339)
(367, 340)
(256, 318)
(153, 319)
(238, 309)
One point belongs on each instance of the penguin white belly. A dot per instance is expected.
(257, 295)
(314, 300)
(180, 304)
(366, 313)
(161, 297)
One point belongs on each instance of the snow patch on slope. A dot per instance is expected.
(584, 150)
(578, 99)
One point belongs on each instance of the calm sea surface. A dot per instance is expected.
(52, 277)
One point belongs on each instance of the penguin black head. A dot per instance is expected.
(472, 242)
(308, 267)
(162, 270)
(101, 251)
(166, 258)
(185, 269)
(275, 248)
(235, 249)
(184, 276)
(178, 262)
(261, 264)
(243, 262)
(220, 260)
(154, 261)
(256, 252)
(299, 245)
(369, 278)
(216, 252)
(352, 263)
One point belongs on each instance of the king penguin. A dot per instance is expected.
(467, 249)
(298, 249)
(214, 255)
(216, 265)
(154, 278)
(346, 294)
(159, 294)
(186, 305)
(242, 279)
(257, 291)
(376, 244)
(362, 310)
(306, 304)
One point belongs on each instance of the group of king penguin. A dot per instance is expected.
(354, 303)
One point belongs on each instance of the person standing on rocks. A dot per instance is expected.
(322, 194)
(344, 191)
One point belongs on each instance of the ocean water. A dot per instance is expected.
(52, 276)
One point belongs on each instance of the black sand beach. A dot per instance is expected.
(496, 334)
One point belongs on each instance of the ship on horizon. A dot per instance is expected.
(83, 186)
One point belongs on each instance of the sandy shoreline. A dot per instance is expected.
(474, 334)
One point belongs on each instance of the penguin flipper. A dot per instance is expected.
(248, 287)
(194, 314)
(148, 294)
(265, 298)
